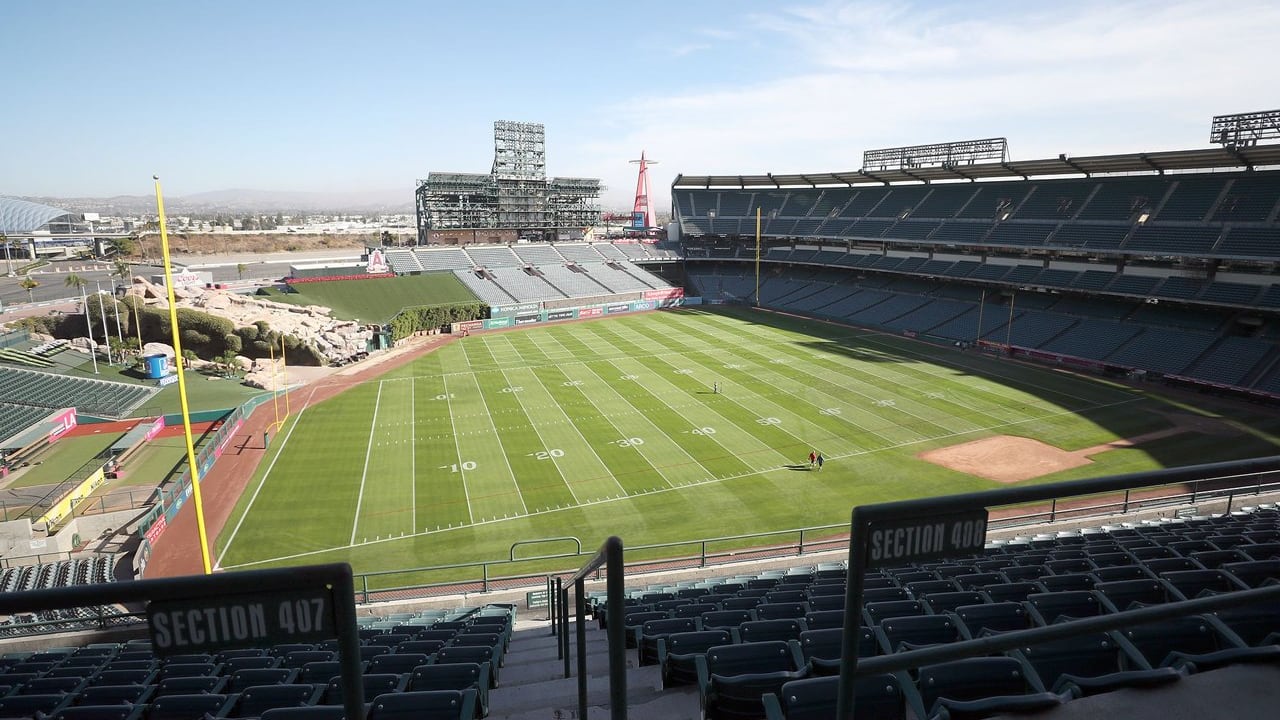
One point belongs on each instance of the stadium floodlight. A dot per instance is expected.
(1245, 129)
(948, 154)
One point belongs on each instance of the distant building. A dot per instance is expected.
(514, 202)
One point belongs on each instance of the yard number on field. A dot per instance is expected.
(466, 465)
(548, 454)
(629, 442)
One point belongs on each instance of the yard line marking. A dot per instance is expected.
(712, 481)
(373, 425)
(502, 450)
(279, 449)
(453, 430)
(542, 441)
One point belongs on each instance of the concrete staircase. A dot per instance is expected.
(533, 687)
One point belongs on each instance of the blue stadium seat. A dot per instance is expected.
(732, 678)
(425, 705)
(677, 654)
(875, 697)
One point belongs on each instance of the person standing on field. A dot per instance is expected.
(813, 457)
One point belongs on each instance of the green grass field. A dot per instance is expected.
(379, 299)
(611, 427)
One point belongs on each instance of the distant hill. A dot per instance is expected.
(242, 201)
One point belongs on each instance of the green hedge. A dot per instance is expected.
(428, 317)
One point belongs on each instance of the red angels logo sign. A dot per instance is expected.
(377, 263)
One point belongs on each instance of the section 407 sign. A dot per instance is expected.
(911, 539)
(238, 621)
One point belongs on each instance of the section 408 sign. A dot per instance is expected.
(912, 539)
(239, 621)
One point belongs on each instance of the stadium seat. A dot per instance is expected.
(1092, 663)
(19, 706)
(822, 649)
(677, 653)
(1194, 583)
(781, 610)
(1254, 573)
(249, 662)
(900, 634)
(1196, 643)
(874, 613)
(976, 620)
(725, 619)
(465, 654)
(253, 701)
(311, 712)
(1009, 591)
(375, 684)
(425, 705)
(458, 676)
(652, 630)
(938, 603)
(980, 687)
(190, 685)
(114, 694)
(732, 678)
(1053, 607)
(241, 679)
(770, 630)
(185, 707)
(822, 619)
(401, 663)
(877, 697)
(100, 712)
(320, 673)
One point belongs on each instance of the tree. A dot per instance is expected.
(188, 356)
(74, 281)
(228, 362)
(29, 284)
(240, 268)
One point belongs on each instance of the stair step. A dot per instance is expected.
(559, 697)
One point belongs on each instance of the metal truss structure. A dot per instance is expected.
(948, 154)
(516, 195)
(1245, 129)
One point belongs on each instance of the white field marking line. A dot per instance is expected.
(502, 450)
(714, 438)
(413, 457)
(659, 491)
(706, 471)
(778, 411)
(939, 358)
(263, 481)
(764, 367)
(488, 346)
(800, 363)
(789, 393)
(563, 352)
(541, 440)
(453, 430)
(608, 417)
(373, 425)
(972, 389)
(576, 429)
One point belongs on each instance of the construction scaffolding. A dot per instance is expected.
(516, 195)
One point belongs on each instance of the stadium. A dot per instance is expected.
(1045, 390)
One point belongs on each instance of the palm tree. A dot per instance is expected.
(75, 282)
(29, 284)
(122, 270)
(240, 268)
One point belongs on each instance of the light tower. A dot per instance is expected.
(641, 212)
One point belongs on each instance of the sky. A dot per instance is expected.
(370, 96)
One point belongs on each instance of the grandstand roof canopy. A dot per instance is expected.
(20, 216)
(1207, 159)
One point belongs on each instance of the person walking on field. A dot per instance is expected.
(813, 457)
(820, 461)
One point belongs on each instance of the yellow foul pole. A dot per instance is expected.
(757, 257)
(182, 384)
(284, 375)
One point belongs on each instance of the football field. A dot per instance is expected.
(615, 426)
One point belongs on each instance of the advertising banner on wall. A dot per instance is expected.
(663, 293)
(497, 323)
(590, 312)
(566, 314)
(505, 310)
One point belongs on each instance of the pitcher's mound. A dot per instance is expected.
(1005, 458)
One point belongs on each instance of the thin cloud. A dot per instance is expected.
(1081, 78)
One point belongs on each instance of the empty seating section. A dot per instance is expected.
(1017, 233)
(1054, 200)
(1172, 239)
(1191, 199)
(944, 202)
(64, 573)
(523, 286)
(493, 257)
(484, 288)
(609, 251)
(911, 229)
(615, 279)
(573, 284)
(1230, 293)
(17, 418)
(1125, 198)
(1134, 284)
(443, 259)
(580, 253)
(634, 251)
(1250, 242)
(735, 657)
(1230, 360)
(1092, 338)
(89, 396)
(1033, 329)
(110, 680)
(1167, 351)
(1090, 237)
(538, 254)
(960, 233)
(403, 261)
(1249, 198)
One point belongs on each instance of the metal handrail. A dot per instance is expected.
(610, 557)
(864, 517)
